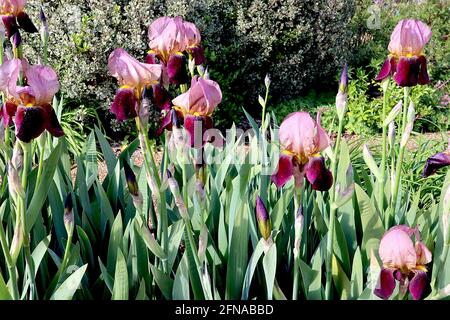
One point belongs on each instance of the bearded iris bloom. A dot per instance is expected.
(196, 107)
(169, 39)
(404, 261)
(406, 61)
(302, 139)
(435, 162)
(14, 18)
(133, 77)
(29, 107)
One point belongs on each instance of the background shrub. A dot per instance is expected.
(299, 43)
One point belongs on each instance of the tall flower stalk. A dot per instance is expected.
(341, 108)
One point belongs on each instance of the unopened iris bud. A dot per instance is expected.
(68, 214)
(42, 16)
(391, 134)
(263, 218)
(202, 243)
(343, 83)
(175, 189)
(17, 157)
(267, 81)
(131, 179)
(341, 97)
(411, 112)
(206, 74)
(14, 183)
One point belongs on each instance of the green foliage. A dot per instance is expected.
(245, 40)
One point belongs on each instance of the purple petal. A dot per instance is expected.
(423, 73)
(196, 127)
(176, 69)
(150, 58)
(386, 284)
(284, 172)
(166, 123)
(418, 284)
(125, 104)
(10, 24)
(385, 70)
(8, 111)
(30, 123)
(407, 74)
(161, 97)
(318, 175)
(52, 124)
(435, 162)
(198, 54)
(25, 23)
(263, 219)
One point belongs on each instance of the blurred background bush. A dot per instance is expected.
(302, 44)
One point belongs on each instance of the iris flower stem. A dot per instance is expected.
(10, 264)
(383, 156)
(150, 166)
(66, 252)
(23, 209)
(263, 118)
(333, 211)
(297, 205)
(398, 170)
(41, 162)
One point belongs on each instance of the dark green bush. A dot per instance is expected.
(297, 42)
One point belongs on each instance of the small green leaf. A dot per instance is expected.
(68, 288)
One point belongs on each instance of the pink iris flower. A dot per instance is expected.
(404, 261)
(29, 107)
(406, 61)
(169, 38)
(14, 18)
(133, 77)
(302, 139)
(196, 107)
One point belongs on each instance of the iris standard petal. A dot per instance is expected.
(386, 284)
(285, 170)
(424, 255)
(43, 82)
(397, 250)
